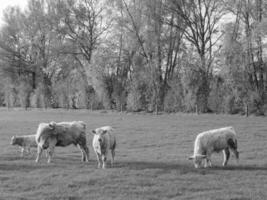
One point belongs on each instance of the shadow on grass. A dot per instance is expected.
(168, 166)
(240, 168)
(184, 167)
(25, 164)
(22, 166)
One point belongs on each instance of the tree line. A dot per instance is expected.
(142, 55)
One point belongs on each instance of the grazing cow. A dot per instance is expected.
(50, 135)
(25, 142)
(223, 139)
(104, 141)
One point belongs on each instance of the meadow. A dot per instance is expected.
(151, 159)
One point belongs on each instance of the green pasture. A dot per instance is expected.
(150, 163)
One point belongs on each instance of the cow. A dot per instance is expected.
(103, 141)
(25, 142)
(62, 134)
(217, 140)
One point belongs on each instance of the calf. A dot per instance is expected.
(223, 139)
(104, 141)
(50, 135)
(25, 142)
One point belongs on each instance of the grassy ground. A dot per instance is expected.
(151, 159)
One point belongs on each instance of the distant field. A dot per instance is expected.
(151, 159)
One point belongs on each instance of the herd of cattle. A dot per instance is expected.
(50, 135)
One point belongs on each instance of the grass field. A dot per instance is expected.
(151, 159)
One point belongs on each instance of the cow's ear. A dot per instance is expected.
(93, 131)
(104, 132)
(191, 158)
(52, 125)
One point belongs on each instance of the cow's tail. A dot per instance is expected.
(83, 125)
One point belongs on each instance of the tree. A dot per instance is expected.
(14, 60)
(249, 33)
(200, 25)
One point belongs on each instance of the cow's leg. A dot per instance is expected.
(46, 153)
(50, 152)
(98, 160)
(205, 163)
(83, 147)
(112, 157)
(208, 161)
(86, 150)
(104, 161)
(226, 155)
(39, 153)
(22, 150)
(29, 150)
(83, 152)
(51, 148)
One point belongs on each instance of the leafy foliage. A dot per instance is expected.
(173, 56)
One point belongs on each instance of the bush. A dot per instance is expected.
(256, 105)
(11, 95)
(232, 105)
(139, 97)
(37, 98)
(133, 101)
(24, 93)
(190, 101)
(174, 100)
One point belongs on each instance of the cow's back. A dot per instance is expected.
(70, 133)
(216, 138)
(111, 140)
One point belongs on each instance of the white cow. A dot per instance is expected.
(103, 141)
(25, 142)
(50, 135)
(222, 139)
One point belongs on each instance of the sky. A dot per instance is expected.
(5, 3)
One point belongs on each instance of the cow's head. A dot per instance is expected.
(99, 134)
(197, 159)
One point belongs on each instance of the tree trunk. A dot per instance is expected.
(33, 80)
(202, 96)
(203, 89)
(260, 68)
(47, 91)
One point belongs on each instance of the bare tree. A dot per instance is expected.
(200, 25)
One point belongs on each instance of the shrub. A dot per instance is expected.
(11, 95)
(24, 93)
(174, 99)
(37, 98)
(133, 101)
